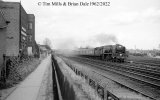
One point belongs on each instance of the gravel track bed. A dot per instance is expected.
(152, 92)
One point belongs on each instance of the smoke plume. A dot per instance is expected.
(106, 39)
(92, 42)
(68, 43)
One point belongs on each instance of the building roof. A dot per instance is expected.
(43, 47)
(31, 16)
(3, 23)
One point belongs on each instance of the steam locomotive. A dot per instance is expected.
(115, 53)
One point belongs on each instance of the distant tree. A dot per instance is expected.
(48, 43)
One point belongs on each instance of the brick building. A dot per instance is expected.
(20, 31)
(3, 28)
(17, 32)
(31, 34)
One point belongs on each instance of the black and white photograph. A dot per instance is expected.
(79, 49)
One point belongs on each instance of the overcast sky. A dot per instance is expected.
(132, 23)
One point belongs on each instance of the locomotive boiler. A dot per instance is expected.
(115, 53)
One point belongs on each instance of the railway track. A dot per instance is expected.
(140, 66)
(148, 63)
(145, 80)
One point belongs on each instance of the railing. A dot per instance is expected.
(55, 77)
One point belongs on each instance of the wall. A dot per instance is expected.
(31, 28)
(11, 13)
(31, 32)
(3, 23)
(17, 30)
(65, 82)
(2, 37)
(2, 44)
(23, 30)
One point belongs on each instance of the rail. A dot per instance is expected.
(126, 75)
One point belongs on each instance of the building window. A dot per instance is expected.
(30, 38)
(30, 26)
(24, 29)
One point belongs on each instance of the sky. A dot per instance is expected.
(132, 23)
